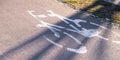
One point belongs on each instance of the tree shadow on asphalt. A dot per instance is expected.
(102, 46)
(64, 54)
(107, 10)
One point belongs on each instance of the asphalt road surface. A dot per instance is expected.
(50, 30)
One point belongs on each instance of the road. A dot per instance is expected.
(50, 30)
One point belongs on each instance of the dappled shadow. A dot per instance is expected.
(68, 42)
(102, 47)
(44, 51)
(105, 10)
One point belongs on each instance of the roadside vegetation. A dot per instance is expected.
(99, 8)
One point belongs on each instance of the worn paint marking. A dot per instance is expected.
(53, 42)
(84, 32)
(81, 50)
(116, 42)
(77, 41)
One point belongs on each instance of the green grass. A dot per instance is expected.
(98, 7)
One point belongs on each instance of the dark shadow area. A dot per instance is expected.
(106, 10)
(100, 50)
(49, 33)
(102, 46)
(44, 51)
(64, 54)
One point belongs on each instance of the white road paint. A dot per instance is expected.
(72, 30)
(55, 33)
(53, 42)
(103, 38)
(64, 19)
(98, 25)
(77, 21)
(42, 16)
(76, 40)
(31, 13)
(87, 33)
(35, 16)
(105, 28)
(107, 19)
(50, 28)
(52, 14)
(53, 29)
(43, 24)
(84, 32)
(90, 33)
(81, 50)
(116, 42)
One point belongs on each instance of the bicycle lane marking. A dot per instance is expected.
(45, 25)
(85, 32)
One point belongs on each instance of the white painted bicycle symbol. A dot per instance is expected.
(56, 29)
